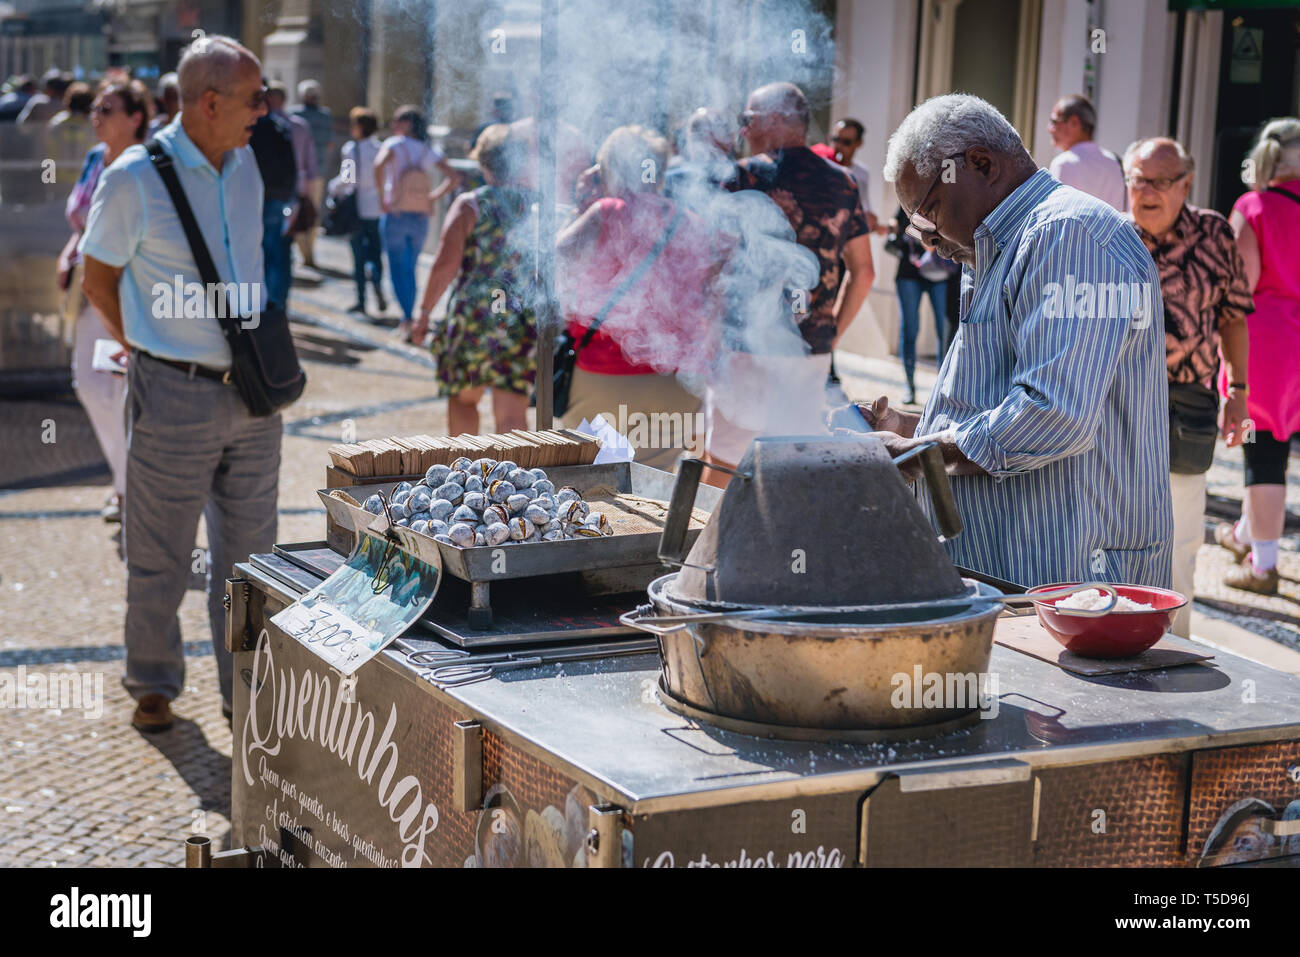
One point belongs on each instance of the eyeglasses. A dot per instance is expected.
(843, 140)
(255, 101)
(103, 109)
(918, 225)
(1161, 184)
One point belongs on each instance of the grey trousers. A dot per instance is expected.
(192, 448)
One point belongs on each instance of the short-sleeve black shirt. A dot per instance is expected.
(822, 203)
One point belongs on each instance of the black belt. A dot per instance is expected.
(191, 369)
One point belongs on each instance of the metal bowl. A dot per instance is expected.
(828, 669)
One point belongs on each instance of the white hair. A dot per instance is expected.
(210, 63)
(1138, 146)
(944, 125)
(308, 88)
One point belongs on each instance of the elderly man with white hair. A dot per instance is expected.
(193, 448)
(1050, 408)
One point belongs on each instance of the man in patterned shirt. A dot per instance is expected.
(1207, 297)
(1051, 407)
(783, 390)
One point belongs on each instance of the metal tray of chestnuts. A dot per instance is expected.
(600, 517)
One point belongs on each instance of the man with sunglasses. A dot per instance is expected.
(1082, 163)
(840, 148)
(1050, 408)
(1207, 298)
(193, 448)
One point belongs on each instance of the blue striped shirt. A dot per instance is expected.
(1056, 386)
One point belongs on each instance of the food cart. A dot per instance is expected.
(567, 748)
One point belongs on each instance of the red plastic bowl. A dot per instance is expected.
(1118, 634)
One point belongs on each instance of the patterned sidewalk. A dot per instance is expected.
(79, 789)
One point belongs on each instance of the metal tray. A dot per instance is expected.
(482, 563)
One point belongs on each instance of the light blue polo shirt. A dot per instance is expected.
(133, 224)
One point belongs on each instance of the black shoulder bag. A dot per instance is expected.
(341, 217)
(263, 362)
(566, 352)
(1193, 427)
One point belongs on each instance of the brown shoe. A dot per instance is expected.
(152, 713)
(1246, 578)
(1225, 537)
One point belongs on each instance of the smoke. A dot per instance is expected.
(653, 63)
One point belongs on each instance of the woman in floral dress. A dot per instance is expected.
(488, 339)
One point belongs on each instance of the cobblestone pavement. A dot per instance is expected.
(81, 787)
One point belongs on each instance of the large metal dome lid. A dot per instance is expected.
(817, 520)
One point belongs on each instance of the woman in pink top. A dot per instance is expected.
(1267, 223)
(647, 265)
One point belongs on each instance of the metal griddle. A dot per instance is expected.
(527, 611)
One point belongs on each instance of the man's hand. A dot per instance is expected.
(955, 461)
(896, 445)
(882, 418)
(1232, 420)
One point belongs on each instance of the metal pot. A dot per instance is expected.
(822, 669)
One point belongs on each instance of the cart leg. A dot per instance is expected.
(467, 766)
(480, 606)
(198, 853)
(605, 836)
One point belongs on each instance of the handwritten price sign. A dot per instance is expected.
(351, 616)
(332, 633)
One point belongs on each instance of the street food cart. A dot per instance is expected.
(568, 744)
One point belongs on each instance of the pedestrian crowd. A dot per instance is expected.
(693, 281)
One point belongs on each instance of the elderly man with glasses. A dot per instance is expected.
(1050, 407)
(1207, 297)
(193, 448)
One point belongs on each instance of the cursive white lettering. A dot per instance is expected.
(289, 697)
(818, 858)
